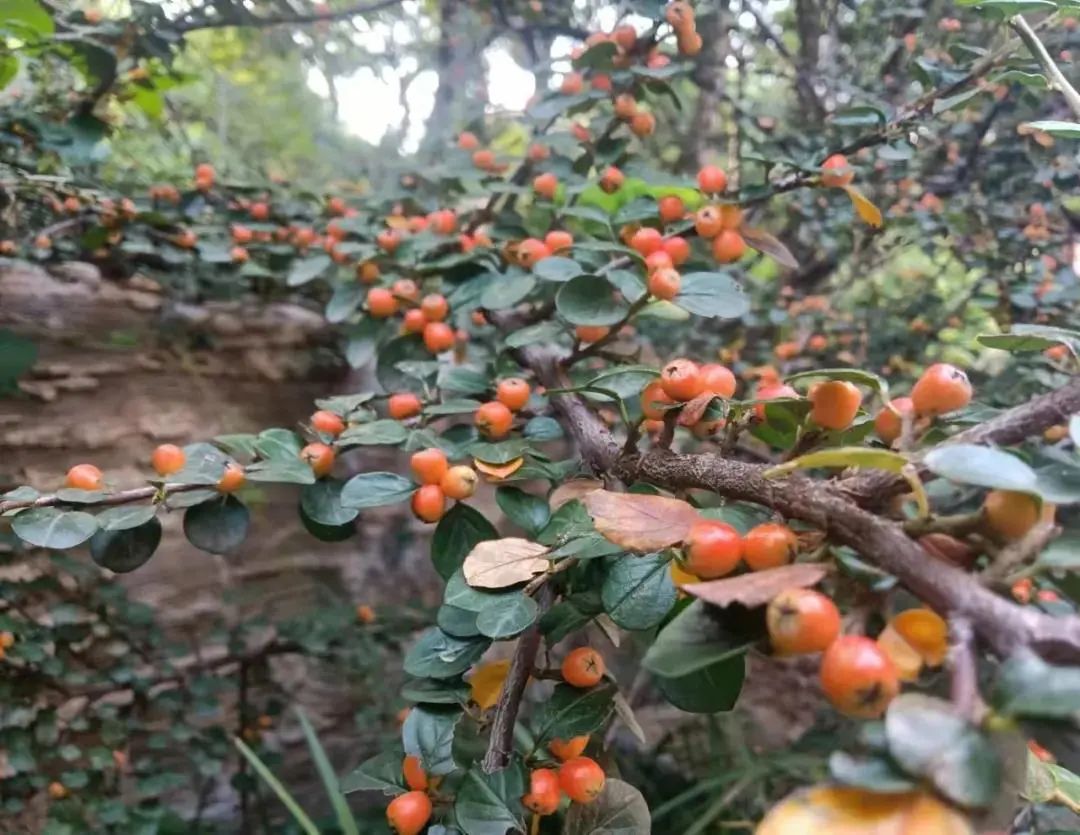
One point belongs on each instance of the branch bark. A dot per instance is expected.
(287, 20)
(1038, 50)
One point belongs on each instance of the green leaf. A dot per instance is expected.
(507, 290)
(48, 527)
(541, 332)
(981, 466)
(713, 295)
(590, 300)
(321, 503)
(362, 341)
(218, 526)
(851, 375)
(1070, 130)
(402, 349)
(30, 16)
(464, 380)
(694, 639)
(871, 772)
(281, 471)
(376, 490)
(463, 406)
(381, 773)
(619, 810)
(428, 733)
(125, 517)
(460, 530)
(1063, 554)
(490, 804)
(542, 428)
(304, 822)
(1028, 686)
(345, 819)
(625, 380)
(860, 116)
(571, 711)
(711, 689)
(557, 268)
(438, 655)
(435, 691)
(453, 620)
(308, 269)
(510, 616)
(599, 56)
(377, 433)
(1028, 338)
(281, 444)
(568, 616)
(126, 549)
(502, 452)
(638, 592)
(345, 301)
(528, 512)
(929, 739)
(326, 533)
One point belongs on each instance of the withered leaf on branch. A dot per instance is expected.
(576, 489)
(758, 587)
(640, 523)
(499, 563)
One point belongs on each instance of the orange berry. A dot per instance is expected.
(771, 391)
(381, 303)
(319, 457)
(205, 171)
(728, 247)
(238, 255)
(671, 208)
(538, 152)
(406, 288)
(625, 106)
(413, 772)
(365, 614)
(717, 379)
(612, 179)
(429, 503)
(591, 333)
(802, 621)
(388, 240)
(643, 124)
(581, 779)
(653, 399)
(1010, 514)
(544, 793)
(836, 172)
(834, 404)
(858, 678)
(167, 459)
(817, 342)
(583, 667)
(259, 211)
(232, 479)
(57, 791)
(513, 393)
(646, 240)
(567, 750)
(530, 251)
(403, 405)
(625, 36)
(557, 240)
(459, 482)
(572, 84)
(690, 43)
(241, 234)
(658, 260)
(712, 549)
(602, 82)
(7, 247)
(731, 216)
(709, 221)
(889, 421)
(336, 206)
(681, 380)
(769, 545)
(435, 307)
(678, 249)
(494, 420)
(484, 160)
(438, 337)
(414, 321)
(409, 813)
(467, 141)
(665, 283)
(546, 185)
(83, 477)
(712, 180)
(443, 222)
(429, 465)
(941, 389)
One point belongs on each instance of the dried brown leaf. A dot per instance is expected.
(758, 587)
(770, 245)
(640, 523)
(499, 563)
(576, 489)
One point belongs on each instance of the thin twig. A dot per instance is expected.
(1057, 77)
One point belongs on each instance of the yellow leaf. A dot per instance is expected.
(497, 472)
(486, 683)
(499, 563)
(638, 522)
(869, 213)
(849, 811)
(680, 576)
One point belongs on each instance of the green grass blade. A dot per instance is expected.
(282, 793)
(329, 777)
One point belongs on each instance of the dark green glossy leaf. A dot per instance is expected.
(638, 592)
(125, 549)
(375, 490)
(218, 526)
